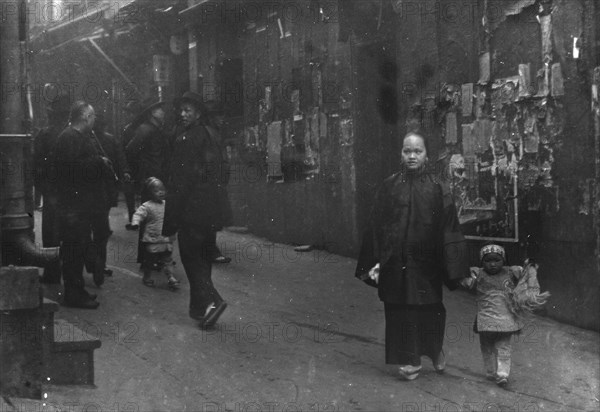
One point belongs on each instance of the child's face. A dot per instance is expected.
(158, 192)
(492, 263)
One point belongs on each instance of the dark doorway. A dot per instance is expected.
(376, 116)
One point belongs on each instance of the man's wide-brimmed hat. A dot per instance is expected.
(60, 104)
(149, 104)
(194, 98)
(214, 107)
(133, 107)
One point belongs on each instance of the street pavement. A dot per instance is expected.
(300, 334)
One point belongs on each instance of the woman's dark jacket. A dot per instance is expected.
(414, 235)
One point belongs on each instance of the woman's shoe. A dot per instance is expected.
(409, 372)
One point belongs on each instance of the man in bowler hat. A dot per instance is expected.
(194, 208)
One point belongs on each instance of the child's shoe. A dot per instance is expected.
(173, 283)
(502, 381)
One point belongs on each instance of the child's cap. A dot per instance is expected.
(152, 181)
(487, 249)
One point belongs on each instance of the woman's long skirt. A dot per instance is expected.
(412, 331)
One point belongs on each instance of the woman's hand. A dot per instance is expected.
(374, 273)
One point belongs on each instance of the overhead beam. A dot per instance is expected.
(114, 65)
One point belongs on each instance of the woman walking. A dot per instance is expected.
(412, 246)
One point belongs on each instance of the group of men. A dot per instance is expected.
(79, 168)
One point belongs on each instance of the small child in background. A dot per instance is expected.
(157, 249)
(505, 294)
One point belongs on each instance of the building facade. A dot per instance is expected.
(316, 95)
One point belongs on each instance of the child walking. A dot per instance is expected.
(505, 294)
(157, 249)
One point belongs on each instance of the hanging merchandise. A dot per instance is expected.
(480, 102)
(467, 99)
(525, 86)
(274, 130)
(451, 128)
(557, 83)
(468, 140)
(482, 130)
(531, 137)
(484, 68)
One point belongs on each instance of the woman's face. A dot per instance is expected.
(414, 153)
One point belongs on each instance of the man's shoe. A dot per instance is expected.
(129, 226)
(213, 315)
(108, 272)
(48, 280)
(92, 296)
(98, 277)
(197, 316)
(81, 303)
(439, 363)
(222, 259)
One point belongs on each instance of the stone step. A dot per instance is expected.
(48, 309)
(69, 359)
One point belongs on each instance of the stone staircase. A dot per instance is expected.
(68, 352)
(35, 347)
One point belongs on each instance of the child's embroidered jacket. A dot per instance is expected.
(152, 214)
(494, 312)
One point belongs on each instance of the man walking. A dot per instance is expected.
(194, 207)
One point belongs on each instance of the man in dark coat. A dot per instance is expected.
(82, 199)
(45, 178)
(149, 147)
(194, 206)
(108, 146)
(215, 121)
(132, 110)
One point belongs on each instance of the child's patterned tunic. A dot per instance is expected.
(493, 313)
